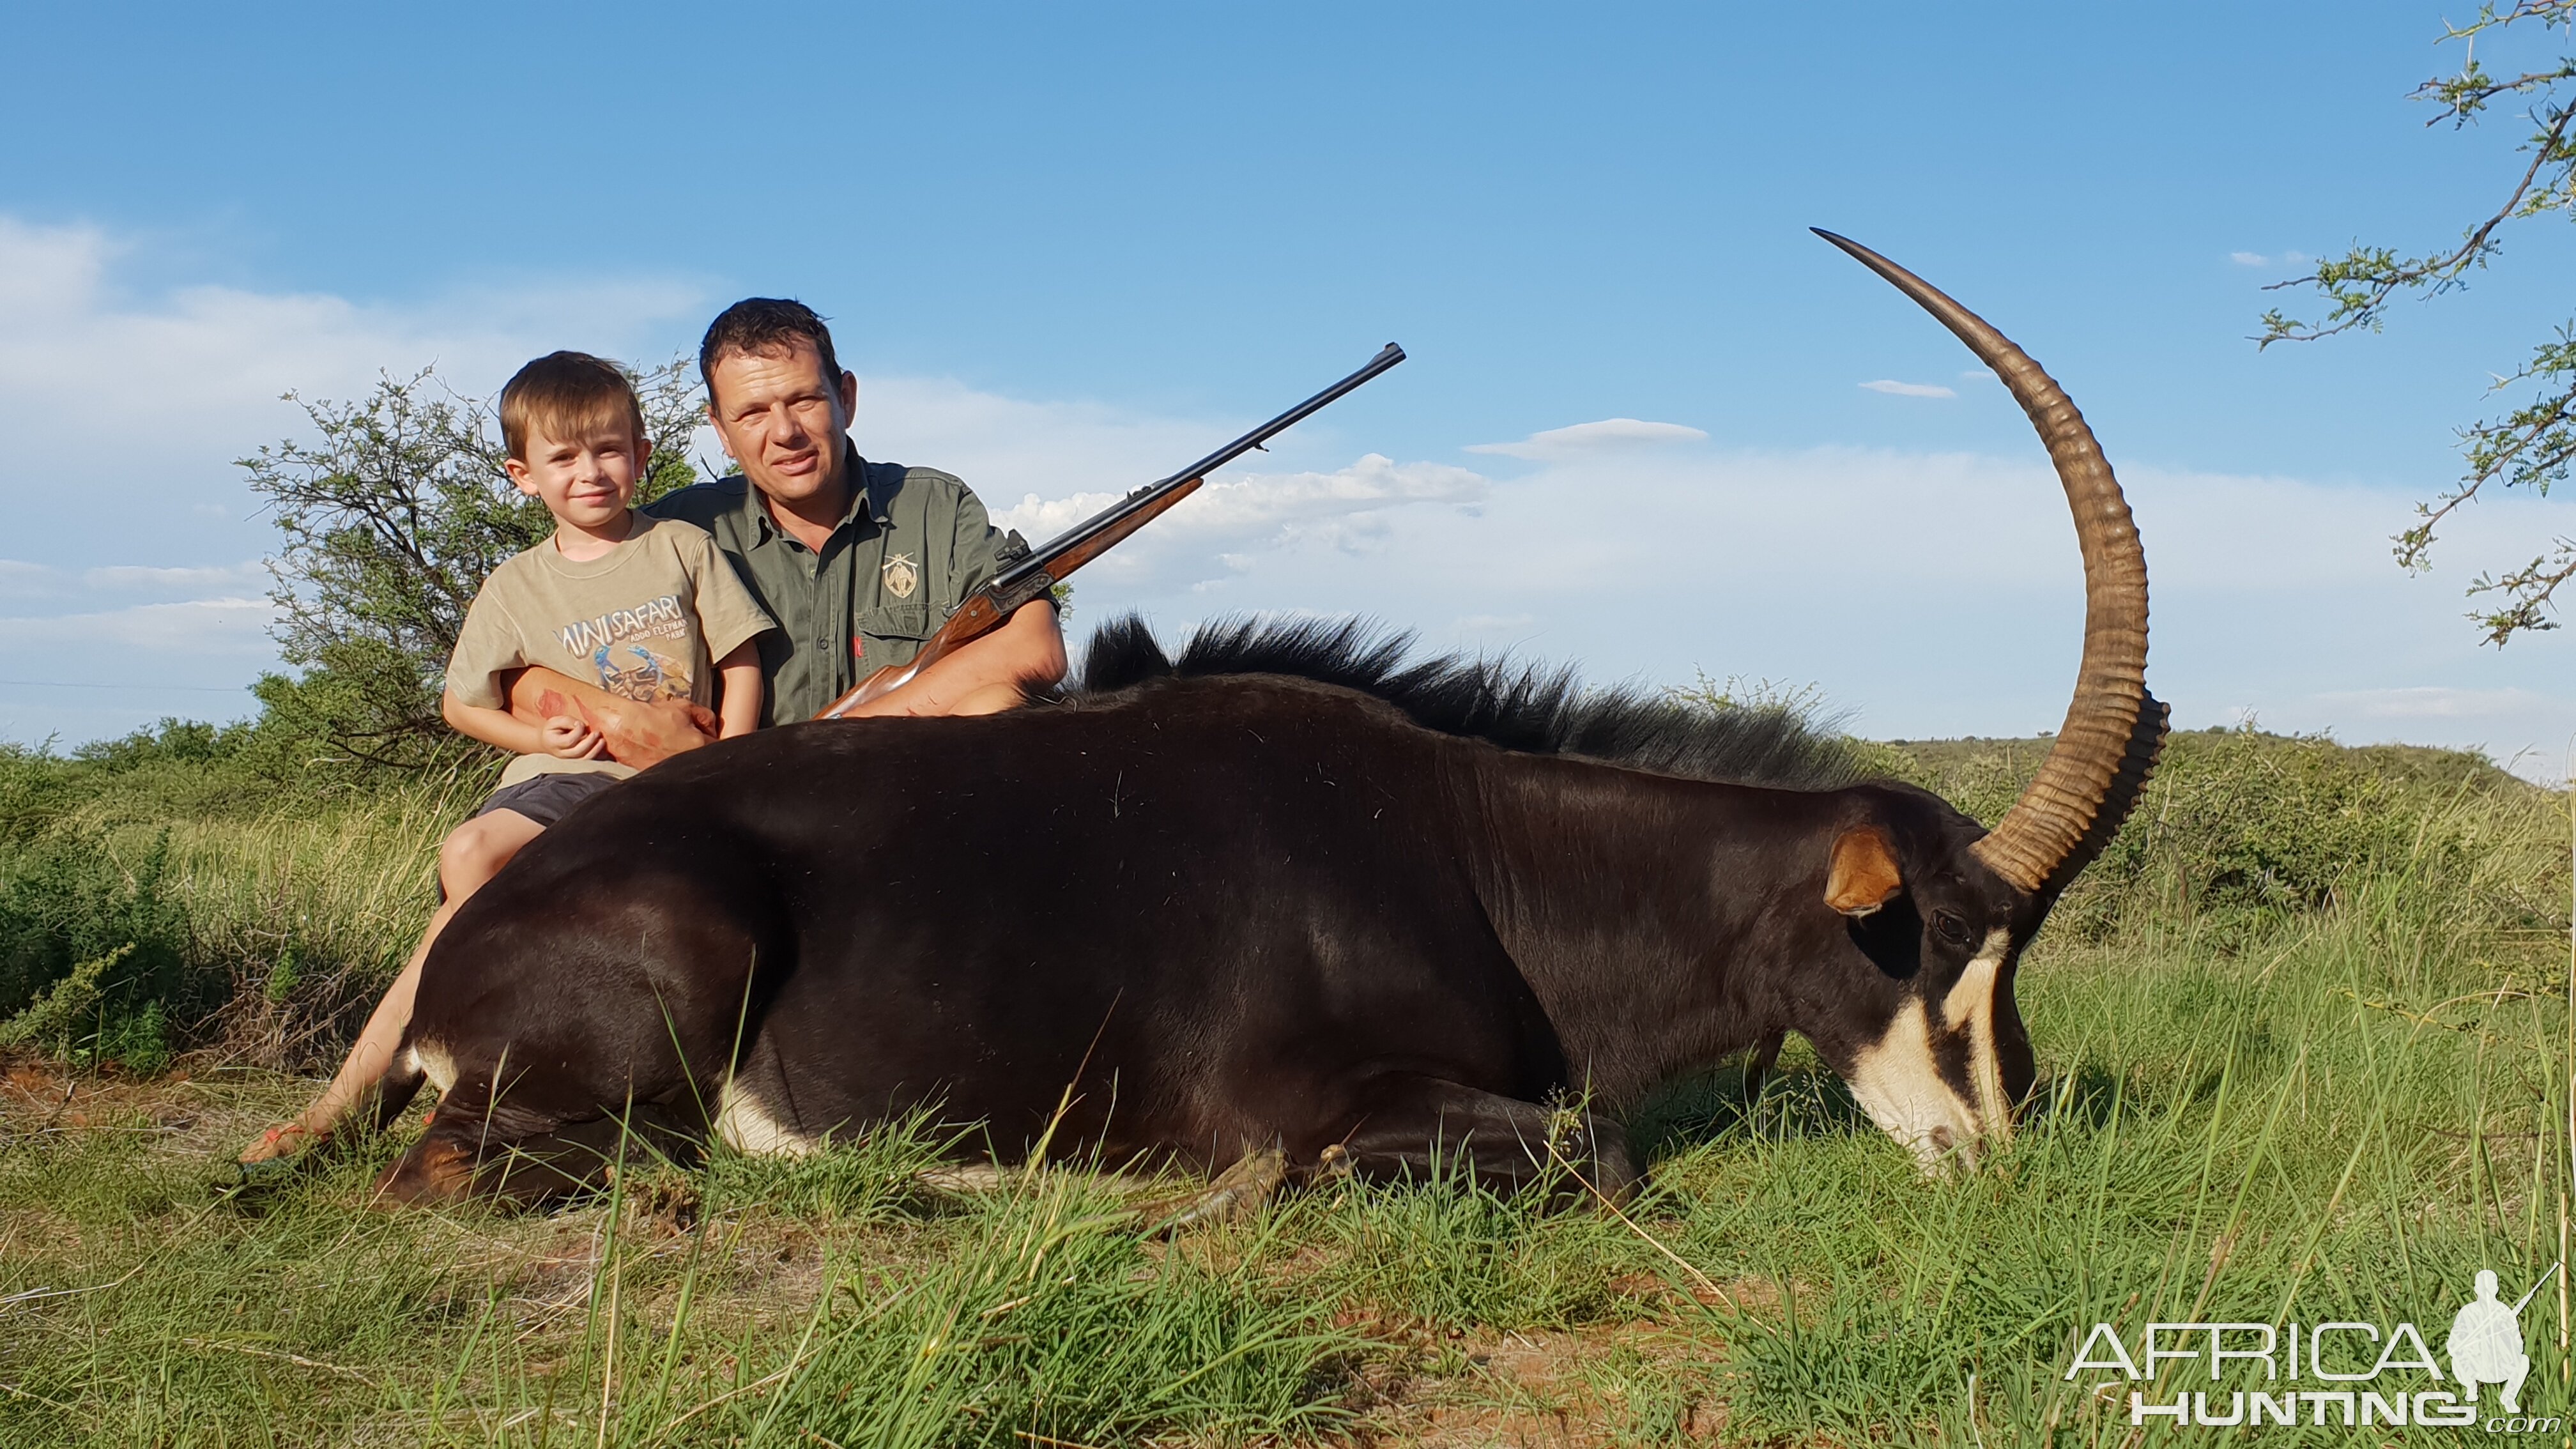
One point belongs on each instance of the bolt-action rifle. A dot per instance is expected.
(1036, 576)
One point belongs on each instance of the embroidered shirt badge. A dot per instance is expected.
(902, 576)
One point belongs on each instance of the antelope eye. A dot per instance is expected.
(1952, 929)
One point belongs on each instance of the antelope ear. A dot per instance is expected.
(1864, 876)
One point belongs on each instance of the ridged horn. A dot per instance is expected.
(2113, 729)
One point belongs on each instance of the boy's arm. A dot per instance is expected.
(739, 708)
(638, 733)
(563, 736)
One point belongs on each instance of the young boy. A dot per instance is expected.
(645, 606)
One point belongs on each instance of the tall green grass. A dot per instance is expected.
(2320, 1129)
(256, 917)
(1036, 1310)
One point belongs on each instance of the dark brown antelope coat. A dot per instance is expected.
(1284, 892)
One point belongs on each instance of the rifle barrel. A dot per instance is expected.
(2535, 1288)
(1045, 555)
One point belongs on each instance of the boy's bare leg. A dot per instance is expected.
(472, 854)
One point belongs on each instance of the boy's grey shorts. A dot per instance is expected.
(547, 798)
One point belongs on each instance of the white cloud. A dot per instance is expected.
(1588, 438)
(1004, 445)
(2431, 702)
(1235, 520)
(232, 578)
(51, 269)
(100, 673)
(144, 397)
(237, 626)
(2257, 259)
(1909, 389)
(200, 352)
(19, 579)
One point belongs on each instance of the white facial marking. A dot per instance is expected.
(432, 1060)
(1972, 1003)
(1898, 1081)
(742, 1120)
(1899, 1085)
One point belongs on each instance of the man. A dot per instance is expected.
(859, 562)
(2486, 1344)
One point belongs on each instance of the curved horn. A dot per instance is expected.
(2113, 727)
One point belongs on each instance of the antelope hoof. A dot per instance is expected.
(1331, 1165)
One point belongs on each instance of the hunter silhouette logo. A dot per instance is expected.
(902, 575)
(2486, 1342)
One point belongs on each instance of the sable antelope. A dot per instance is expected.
(1284, 896)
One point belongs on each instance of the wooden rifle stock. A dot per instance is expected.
(1036, 576)
(984, 610)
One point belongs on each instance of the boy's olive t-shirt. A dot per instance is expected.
(644, 621)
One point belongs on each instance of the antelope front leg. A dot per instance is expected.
(1408, 1125)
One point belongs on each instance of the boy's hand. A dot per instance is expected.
(567, 738)
(639, 733)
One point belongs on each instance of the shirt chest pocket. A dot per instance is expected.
(895, 621)
(892, 634)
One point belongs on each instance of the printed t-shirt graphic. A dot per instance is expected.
(645, 621)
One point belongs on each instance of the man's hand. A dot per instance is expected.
(632, 732)
(568, 738)
(996, 672)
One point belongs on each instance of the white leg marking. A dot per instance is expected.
(431, 1060)
(742, 1120)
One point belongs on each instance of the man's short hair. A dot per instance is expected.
(764, 327)
(568, 396)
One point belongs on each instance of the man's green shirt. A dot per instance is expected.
(913, 544)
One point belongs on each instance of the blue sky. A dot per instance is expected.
(1069, 247)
